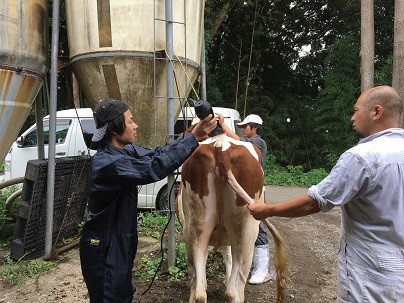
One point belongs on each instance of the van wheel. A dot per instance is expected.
(162, 200)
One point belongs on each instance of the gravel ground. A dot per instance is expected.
(311, 242)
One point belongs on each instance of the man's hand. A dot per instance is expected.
(226, 129)
(189, 129)
(221, 119)
(204, 127)
(259, 209)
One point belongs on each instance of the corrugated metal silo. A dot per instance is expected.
(24, 50)
(117, 49)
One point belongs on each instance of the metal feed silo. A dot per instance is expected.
(24, 50)
(117, 49)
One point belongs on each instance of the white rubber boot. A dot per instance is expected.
(260, 273)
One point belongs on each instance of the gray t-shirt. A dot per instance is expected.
(261, 144)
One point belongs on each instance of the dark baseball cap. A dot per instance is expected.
(106, 111)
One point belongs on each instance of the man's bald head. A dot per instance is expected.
(376, 109)
(387, 97)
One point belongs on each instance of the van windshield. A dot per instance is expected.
(62, 127)
(87, 125)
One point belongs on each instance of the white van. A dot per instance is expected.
(70, 142)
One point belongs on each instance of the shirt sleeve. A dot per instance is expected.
(144, 166)
(344, 183)
(158, 150)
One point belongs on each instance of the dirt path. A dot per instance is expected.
(312, 247)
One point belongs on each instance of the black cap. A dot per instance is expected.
(106, 111)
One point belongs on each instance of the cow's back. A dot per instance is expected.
(206, 196)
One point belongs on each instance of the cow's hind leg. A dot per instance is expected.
(242, 230)
(242, 258)
(226, 254)
(197, 235)
(197, 258)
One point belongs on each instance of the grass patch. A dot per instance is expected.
(18, 271)
(153, 225)
(292, 175)
(295, 176)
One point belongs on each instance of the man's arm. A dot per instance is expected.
(226, 129)
(296, 207)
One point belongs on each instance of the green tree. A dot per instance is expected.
(335, 102)
(316, 90)
(282, 84)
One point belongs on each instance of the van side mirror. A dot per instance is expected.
(20, 141)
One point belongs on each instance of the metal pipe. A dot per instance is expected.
(170, 126)
(10, 182)
(68, 246)
(23, 71)
(39, 124)
(12, 198)
(52, 130)
(119, 54)
(203, 68)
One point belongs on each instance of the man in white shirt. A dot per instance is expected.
(368, 184)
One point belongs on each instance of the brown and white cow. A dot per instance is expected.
(212, 215)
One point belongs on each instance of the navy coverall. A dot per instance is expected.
(109, 240)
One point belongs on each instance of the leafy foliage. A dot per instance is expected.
(295, 176)
(153, 224)
(335, 102)
(302, 62)
(291, 175)
(7, 217)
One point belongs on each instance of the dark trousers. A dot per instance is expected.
(101, 285)
(262, 238)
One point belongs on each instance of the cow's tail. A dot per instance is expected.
(280, 261)
(179, 207)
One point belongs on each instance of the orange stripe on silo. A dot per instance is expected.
(104, 23)
(111, 80)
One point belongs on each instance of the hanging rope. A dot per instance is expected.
(249, 61)
(186, 74)
(238, 74)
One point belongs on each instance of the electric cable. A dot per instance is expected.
(169, 192)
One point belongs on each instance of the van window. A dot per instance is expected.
(87, 125)
(239, 131)
(180, 126)
(62, 127)
(88, 129)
